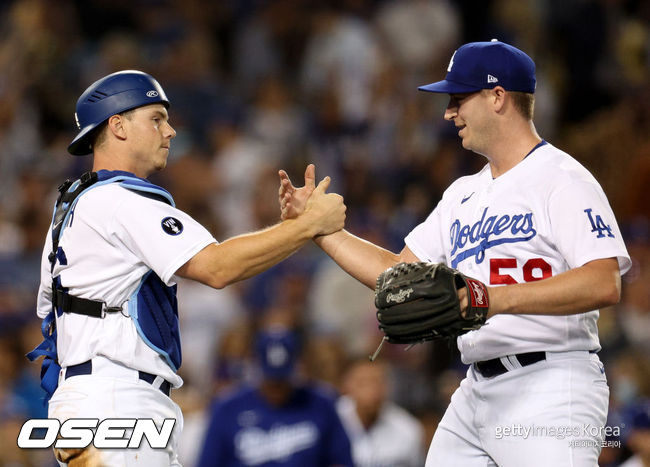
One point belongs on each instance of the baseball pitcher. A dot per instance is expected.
(514, 263)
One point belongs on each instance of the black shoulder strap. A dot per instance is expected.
(61, 299)
(68, 192)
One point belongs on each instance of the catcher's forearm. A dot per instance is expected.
(361, 259)
(595, 285)
(243, 256)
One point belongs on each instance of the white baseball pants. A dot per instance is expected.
(550, 413)
(114, 391)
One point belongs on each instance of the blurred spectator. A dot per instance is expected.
(628, 376)
(237, 164)
(279, 421)
(195, 404)
(194, 86)
(234, 363)
(21, 396)
(637, 433)
(270, 42)
(382, 433)
(341, 55)
(325, 358)
(207, 316)
(341, 307)
(634, 309)
(628, 440)
(419, 33)
(581, 33)
(275, 119)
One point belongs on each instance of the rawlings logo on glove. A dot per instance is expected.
(399, 297)
(419, 301)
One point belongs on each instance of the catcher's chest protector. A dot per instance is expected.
(152, 307)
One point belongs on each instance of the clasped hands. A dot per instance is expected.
(326, 210)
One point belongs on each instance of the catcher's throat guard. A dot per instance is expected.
(417, 302)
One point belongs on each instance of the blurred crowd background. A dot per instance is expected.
(258, 85)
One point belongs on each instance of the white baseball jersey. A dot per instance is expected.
(115, 237)
(394, 439)
(544, 216)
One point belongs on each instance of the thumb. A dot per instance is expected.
(323, 185)
(310, 177)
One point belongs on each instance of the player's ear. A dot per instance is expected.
(498, 98)
(116, 126)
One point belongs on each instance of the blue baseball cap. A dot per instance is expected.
(277, 351)
(484, 65)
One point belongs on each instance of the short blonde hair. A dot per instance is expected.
(524, 102)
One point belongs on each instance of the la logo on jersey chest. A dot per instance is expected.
(472, 239)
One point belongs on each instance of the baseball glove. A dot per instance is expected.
(417, 302)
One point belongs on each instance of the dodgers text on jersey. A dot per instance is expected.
(489, 232)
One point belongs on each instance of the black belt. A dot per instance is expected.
(494, 367)
(86, 368)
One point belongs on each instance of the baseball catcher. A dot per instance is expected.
(419, 301)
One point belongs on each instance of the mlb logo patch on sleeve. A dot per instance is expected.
(172, 226)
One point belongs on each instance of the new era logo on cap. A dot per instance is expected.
(483, 65)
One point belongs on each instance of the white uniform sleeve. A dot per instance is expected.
(44, 299)
(138, 225)
(583, 225)
(425, 239)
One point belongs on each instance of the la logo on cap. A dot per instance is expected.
(451, 62)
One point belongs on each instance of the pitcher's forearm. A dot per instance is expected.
(361, 259)
(595, 285)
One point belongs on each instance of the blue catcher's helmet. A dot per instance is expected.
(113, 94)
